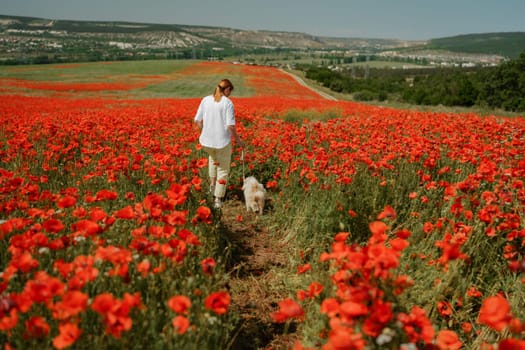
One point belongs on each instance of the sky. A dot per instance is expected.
(388, 19)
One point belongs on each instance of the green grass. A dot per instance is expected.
(164, 78)
(92, 72)
(308, 221)
(195, 86)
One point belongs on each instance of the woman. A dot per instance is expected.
(216, 119)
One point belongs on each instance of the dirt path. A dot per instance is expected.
(258, 257)
(303, 83)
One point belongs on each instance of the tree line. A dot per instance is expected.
(501, 87)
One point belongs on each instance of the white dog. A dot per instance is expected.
(254, 195)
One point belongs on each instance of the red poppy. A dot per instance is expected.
(207, 266)
(428, 227)
(378, 229)
(79, 212)
(288, 309)
(97, 214)
(388, 212)
(203, 215)
(119, 257)
(218, 302)
(106, 195)
(271, 184)
(380, 315)
(304, 268)
(352, 309)
(473, 292)
(125, 213)
(516, 326)
(444, 309)
(466, 327)
(495, 313)
(6, 228)
(177, 193)
(511, 344)
(399, 244)
(341, 236)
(189, 237)
(197, 183)
(330, 307)
(448, 340)
(176, 217)
(115, 312)
(43, 287)
(130, 196)
(180, 324)
(87, 227)
(144, 267)
(345, 339)
(8, 320)
(36, 327)
(403, 233)
(66, 202)
(68, 335)
(53, 225)
(24, 262)
(72, 303)
(314, 290)
(352, 213)
(417, 326)
(202, 162)
(179, 304)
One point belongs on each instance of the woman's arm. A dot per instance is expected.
(233, 132)
(199, 115)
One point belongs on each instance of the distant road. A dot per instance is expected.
(302, 82)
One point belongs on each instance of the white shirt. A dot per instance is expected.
(216, 117)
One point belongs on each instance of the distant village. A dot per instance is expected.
(447, 59)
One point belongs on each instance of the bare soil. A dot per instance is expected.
(257, 268)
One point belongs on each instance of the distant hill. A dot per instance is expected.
(26, 40)
(182, 36)
(509, 44)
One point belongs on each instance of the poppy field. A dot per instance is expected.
(403, 229)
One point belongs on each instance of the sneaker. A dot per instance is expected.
(217, 204)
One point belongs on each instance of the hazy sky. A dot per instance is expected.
(396, 19)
